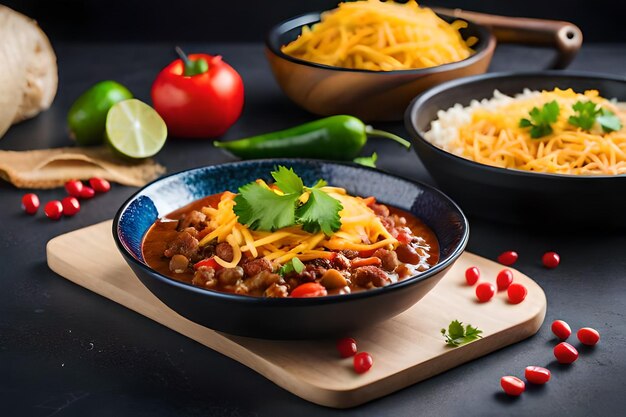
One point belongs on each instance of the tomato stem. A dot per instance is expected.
(192, 66)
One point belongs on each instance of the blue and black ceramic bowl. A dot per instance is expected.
(288, 318)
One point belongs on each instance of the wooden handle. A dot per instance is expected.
(565, 37)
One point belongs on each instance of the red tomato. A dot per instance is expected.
(508, 258)
(87, 193)
(362, 362)
(517, 293)
(504, 279)
(588, 336)
(346, 347)
(199, 106)
(551, 259)
(53, 209)
(512, 385)
(565, 353)
(309, 289)
(99, 185)
(471, 275)
(561, 329)
(71, 206)
(485, 291)
(74, 187)
(30, 203)
(537, 375)
(210, 262)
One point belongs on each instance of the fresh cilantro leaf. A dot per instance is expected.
(458, 336)
(321, 212)
(368, 161)
(609, 121)
(294, 265)
(541, 120)
(586, 112)
(262, 209)
(320, 183)
(287, 180)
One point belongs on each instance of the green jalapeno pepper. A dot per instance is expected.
(335, 137)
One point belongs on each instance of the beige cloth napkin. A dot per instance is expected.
(50, 168)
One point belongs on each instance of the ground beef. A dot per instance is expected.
(276, 291)
(380, 210)
(349, 253)
(229, 276)
(194, 218)
(260, 281)
(341, 262)
(388, 258)
(204, 277)
(365, 275)
(256, 266)
(192, 231)
(183, 244)
(224, 251)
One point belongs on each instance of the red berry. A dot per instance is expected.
(87, 192)
(362, 362)
(537, 375)
(74, 187)
(471, 275)
(30, 203)
(71, 206)
(565, 353)
(346, 347)
(517, 293)
(551, 259)
(508, 258)
(484, 291)
(53, 209)
(512, 385)
(504, 279)
(100, 185)
(561, 329)
(588, 336)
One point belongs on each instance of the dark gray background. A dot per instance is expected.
(249, 20)
(65, 351)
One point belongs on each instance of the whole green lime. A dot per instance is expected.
(87, 116)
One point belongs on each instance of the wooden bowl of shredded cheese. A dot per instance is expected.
(369, 58)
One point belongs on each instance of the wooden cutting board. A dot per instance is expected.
(406, 349)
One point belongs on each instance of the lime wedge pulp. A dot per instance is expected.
(135, 130)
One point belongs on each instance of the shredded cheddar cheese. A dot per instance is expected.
(361, 231)
(381, 36)
(492, 135)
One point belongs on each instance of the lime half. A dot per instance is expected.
(135, 130)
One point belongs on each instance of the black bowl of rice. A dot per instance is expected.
(469, 135)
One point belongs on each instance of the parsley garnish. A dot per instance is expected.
(368, 161)
(262, 208)
(294, 265)
(541, 120)
(458, 336)
(588, 113)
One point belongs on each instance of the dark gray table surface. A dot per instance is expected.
(65, 351)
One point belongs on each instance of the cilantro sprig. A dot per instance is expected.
(262, 208)
(541, 120)
(588, 113)
(293, 265)
(368, 161)
(459, 335)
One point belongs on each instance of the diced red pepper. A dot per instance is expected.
(208, 262)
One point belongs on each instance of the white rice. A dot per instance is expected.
(444, 131)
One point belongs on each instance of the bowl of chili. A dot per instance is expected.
(288, 317)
